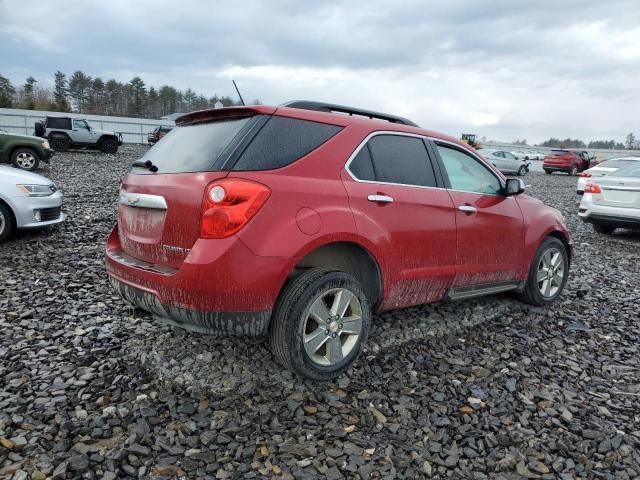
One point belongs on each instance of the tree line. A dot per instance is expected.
(629, 144)
(81, 93)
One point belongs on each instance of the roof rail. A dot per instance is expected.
(331, 108)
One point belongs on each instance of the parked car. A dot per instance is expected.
(157, 133)
(604, 168)
(613, 201)
(533, 155)
(299, 222)
(23, 151)
(27, 200)
(505, 161)
(65, 132)
(569, 161)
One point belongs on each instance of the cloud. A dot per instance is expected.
(503, 69)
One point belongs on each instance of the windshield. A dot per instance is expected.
(193, 148)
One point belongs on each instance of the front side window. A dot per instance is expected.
(498, 154)
(79, 124)
(468, 174)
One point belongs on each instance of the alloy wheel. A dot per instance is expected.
(550, 274)
(25, 160)
(333, 326)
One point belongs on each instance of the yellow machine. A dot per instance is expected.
(471, 139)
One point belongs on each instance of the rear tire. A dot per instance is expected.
(60, 144)
(25, 159)
(548, 172)
(109, 145)
(606, 229)
(7, 223)
(548, 274)
(320, 323)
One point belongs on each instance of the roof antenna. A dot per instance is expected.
(234, 84)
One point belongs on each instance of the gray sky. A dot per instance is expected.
(502, 69)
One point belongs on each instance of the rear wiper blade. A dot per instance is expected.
(148, 165)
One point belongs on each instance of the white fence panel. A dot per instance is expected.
(133, 130)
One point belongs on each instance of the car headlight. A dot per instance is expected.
(37, 190)
(45, 145)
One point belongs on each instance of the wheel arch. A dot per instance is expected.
(349, 257)
(11, 212)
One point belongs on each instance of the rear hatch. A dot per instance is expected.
(558, 157)
(161, 198)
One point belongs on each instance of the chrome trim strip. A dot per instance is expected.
(471, 291)
(405, 134)
(143, 200)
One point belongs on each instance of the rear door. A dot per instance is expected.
(490, 226)
(398, 203)
(159, 212)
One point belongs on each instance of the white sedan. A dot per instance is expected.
(607, 167)
(613, 201)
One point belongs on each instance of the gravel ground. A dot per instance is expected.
(487, 388)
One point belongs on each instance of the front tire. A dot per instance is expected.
(25, 159)
(548, 273)
(7, 223)
(606, 229)
(320, 323)
(522, 171)
(109, 145)
(573, 172)
(548, 172)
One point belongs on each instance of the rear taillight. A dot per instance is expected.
(592, 188)
(228, 206)
(584, 174)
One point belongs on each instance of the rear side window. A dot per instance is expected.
(282, 141)
(401, 159)
(362, 165)
(194, 148)
(57, 122)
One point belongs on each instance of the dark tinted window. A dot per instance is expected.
(193, 148)
(361, 165)
(283, 141)
(400, 159)
(58, 122)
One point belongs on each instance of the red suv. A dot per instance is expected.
(301, 221)
(570, 161)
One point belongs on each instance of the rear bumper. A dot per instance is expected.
(621, 217)
(556, 168)
(221, 287)
(249, 324)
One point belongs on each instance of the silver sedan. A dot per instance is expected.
(27, 200)
(505, 161)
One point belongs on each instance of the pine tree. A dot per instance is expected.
(7, 91)
(61, 92)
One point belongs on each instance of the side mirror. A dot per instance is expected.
(88, 127)
(514, 186)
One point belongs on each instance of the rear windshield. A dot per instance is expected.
(193, 148)
(628, 171)
(559, 153)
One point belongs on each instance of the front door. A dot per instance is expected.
(490, 226)
(81, 132)
(397, 205)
